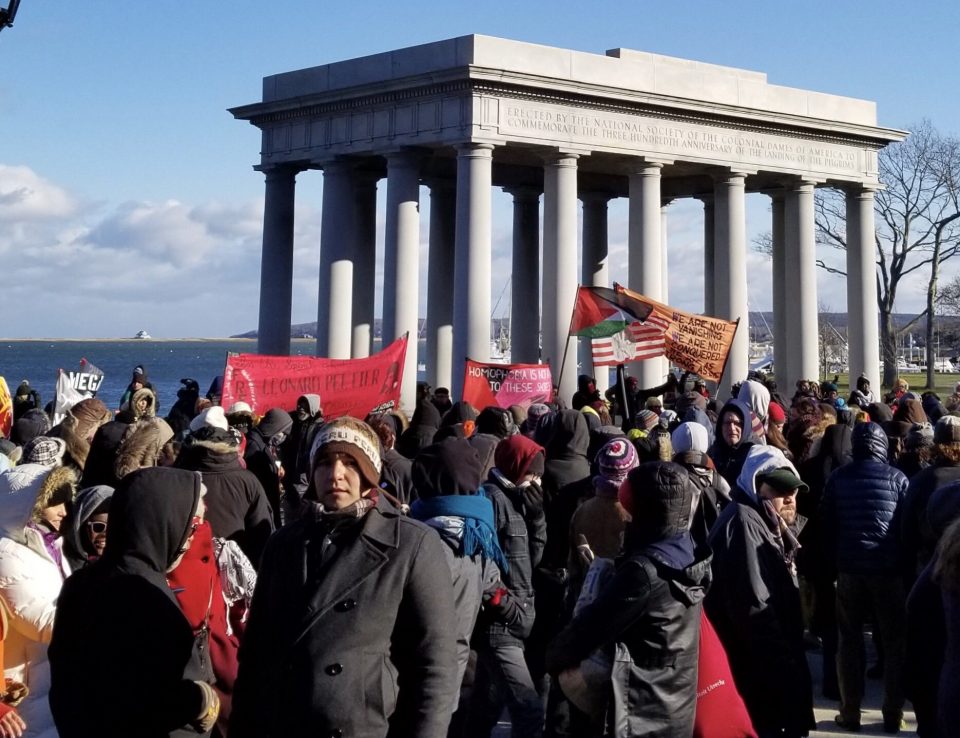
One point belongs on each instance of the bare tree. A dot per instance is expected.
(949, 298)
(833, 343)
(918, 214)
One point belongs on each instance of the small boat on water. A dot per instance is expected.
(142, 335)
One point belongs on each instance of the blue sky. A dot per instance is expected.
(127, 197)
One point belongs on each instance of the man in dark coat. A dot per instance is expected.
(860, 515)
(184, 410)
(237, 507)
(754, 602)
(307, 421)
(119, 626)
(652, 606)
(263, 457)
(919, 541)
(351, 629)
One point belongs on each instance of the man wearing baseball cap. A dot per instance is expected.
(754, 601)
(352, 626)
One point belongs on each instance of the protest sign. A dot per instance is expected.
(354, 387)
(504, 385)
(75, 386)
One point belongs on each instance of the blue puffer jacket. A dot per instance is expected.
(861, 507)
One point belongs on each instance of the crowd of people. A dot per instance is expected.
(654, 562)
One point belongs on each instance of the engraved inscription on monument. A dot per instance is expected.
(640, 134)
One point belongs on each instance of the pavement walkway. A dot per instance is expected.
(871, 720)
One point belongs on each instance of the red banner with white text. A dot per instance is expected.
(354, 387)
(504, 385)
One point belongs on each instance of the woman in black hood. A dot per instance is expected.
(119, 627)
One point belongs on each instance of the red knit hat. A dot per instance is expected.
(776, 413)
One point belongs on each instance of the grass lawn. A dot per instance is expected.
(945, 383)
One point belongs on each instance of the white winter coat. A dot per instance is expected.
(30, 582)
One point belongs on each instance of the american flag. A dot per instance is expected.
(638, 341)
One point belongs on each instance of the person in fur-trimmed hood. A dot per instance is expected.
(31, 576)
(78, 429)
(237, 507)
(142, 445)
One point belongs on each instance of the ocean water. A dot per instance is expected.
(166, 362)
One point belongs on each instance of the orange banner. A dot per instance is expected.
(354, 387)
(698, 343)
(504, 385)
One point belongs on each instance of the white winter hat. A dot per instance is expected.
(239, 407)
(690, 436)
(212, 416)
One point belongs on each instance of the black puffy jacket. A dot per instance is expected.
(861, 507)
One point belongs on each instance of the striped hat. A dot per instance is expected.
(614, 461)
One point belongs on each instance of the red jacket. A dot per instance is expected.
(196, 584)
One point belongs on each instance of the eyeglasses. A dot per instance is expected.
(97, 526)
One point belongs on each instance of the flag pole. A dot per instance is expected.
(566, 345)
(629, 411)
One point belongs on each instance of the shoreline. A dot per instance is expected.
(137, 340)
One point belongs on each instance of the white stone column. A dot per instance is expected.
(801, 284)
(664, 258)
(863, 331)
(730, 266)
(401, 264)
(335, 295)
(525, 287)
(595, 271)
(276, 262)
(645, 274)
(471, 303)
(560, 269)
(365, 264)
(440, 283)
(779, 289)
(709, 259)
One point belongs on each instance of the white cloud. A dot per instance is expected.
(25, 196)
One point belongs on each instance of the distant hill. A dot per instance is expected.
(761, 326)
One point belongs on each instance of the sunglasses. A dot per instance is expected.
(97, 526)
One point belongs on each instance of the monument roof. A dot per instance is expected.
(620, 73)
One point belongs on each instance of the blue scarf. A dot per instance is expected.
(479, 533)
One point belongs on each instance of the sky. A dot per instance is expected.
(127, 195)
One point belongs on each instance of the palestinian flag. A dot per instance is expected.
(622, 328)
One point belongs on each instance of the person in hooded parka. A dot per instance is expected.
(124, 660)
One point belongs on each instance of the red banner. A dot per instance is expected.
(504, 385)
(354, 387)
